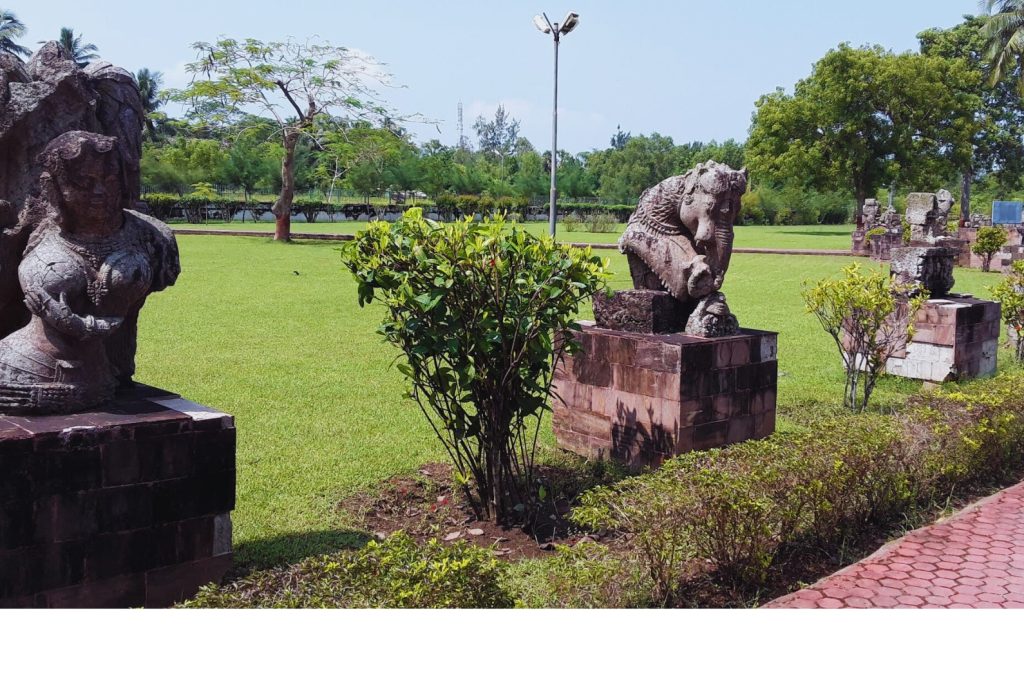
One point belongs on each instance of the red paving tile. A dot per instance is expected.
(974, 559)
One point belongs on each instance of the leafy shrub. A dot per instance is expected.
(467, 205)
(738, 507)
(587, 575)
(161, 205)
(196, 203)
(1010, 294)
(869, 318)
(309, 208)
(479, 311)
(394, 573)
(446, 204)
(990, 241)
(599, 222)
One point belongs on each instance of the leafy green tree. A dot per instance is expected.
(1010, 294)
(482, 390)
(532, 179)
(11, 29)
(998, 140)
(184, 162)
(990, 242)
(869, 318)
(864, 118)
(622, 175)
(149, 82)
(1004, 39)
(497, 137)
(437, 163)
(619, 138)
(81, 53)
(250, 163)
(295, 83)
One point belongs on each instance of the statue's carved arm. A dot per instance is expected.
(57, 313)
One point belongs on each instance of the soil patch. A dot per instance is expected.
(428, 505)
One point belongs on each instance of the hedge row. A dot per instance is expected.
(197, 208)
(739, 508)
(732, 516)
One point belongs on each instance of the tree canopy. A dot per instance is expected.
(866, 117)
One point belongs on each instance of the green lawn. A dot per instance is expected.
(820, 237)
(273, 334)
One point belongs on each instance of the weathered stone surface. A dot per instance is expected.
(39, 101)
(711, 318)
(954, 338)
(639, 398)
(928, 216)
(931, 267)
(679, 239)
(86, 271)
(125, 505)
(640, 311)
(870, 214)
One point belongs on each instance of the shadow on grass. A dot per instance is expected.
(282, 550)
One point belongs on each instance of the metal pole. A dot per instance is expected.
(554, 146)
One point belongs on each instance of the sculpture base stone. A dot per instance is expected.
(929, 266)
(955, 338)
(124, 505)
(640, 398)
(640, 311)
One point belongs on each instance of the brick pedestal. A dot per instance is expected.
(122, 506)
(955, 338)
(638, 398)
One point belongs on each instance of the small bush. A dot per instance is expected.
(599, 222)
(161, 205)
(587, 575)
(1010, 294)
(869, 317)
(309, 208)
(990, 241)
(481, 312)
(395, 573)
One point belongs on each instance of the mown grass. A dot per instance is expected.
(272, 333)
(814, 237)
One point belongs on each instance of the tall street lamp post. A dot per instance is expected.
(544, 25)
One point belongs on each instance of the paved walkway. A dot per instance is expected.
(974, 559)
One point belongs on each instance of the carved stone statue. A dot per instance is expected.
(86, 271)
(679, 240)
(870, 214)
(929, 259)
(928, 215)
(40, 100)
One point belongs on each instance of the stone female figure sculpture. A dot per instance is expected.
(87, 269)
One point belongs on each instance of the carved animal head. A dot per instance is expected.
(711, 200)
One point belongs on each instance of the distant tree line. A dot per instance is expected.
(865, 120)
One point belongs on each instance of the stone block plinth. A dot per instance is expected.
(640, 311)
(125, 505)
(955, 338)
(639, 398)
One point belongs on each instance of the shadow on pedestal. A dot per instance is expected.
(638, 398)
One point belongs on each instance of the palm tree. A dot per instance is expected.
(149, 82)
(10, 30)
(1004, 32)
(79, 53)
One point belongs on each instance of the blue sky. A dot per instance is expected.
(691, 70)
